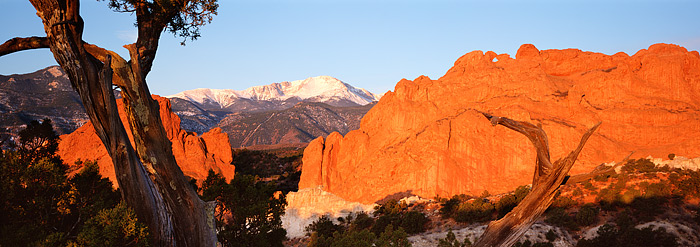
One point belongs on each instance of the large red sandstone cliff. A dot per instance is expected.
(194, 154)
(427, 138)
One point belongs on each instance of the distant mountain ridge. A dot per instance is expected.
(336, 106)
(311, 107)
(323, 89)
(46, 93)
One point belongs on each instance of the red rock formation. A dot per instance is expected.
(195, 155)
(427, 138)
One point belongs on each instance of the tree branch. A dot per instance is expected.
(118, 64)
(21, 44)
(506, 231)
(538, 138)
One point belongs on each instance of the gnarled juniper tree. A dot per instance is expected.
(151, 182)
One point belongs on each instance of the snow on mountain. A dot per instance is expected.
(316, 89)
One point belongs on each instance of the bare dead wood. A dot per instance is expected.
(21, 44)
(547, 180)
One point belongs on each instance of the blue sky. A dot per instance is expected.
(369, 44)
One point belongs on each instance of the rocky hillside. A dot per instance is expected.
(300, 124)
(195, 154)
(428, 138)
(279, 113)
(46, 93)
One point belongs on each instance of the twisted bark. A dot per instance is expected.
(151, 182)
(547, 180)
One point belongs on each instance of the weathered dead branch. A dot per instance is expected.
(546, 181)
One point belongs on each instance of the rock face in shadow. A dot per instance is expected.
(195, 154)
(298, 124)
(428, 136)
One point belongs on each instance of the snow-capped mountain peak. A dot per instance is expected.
(316, 89)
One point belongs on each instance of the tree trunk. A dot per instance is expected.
(151, 181)
(547, 180)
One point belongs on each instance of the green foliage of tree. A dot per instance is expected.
(641, 166)
(687, 183)
(543, 244)
(526, 243)
(393, 238)
(563, 202)
(90, 191)
(323, 227)
(352, 239)
(451, 241)
(40, 205)
(113, 227)
(559, 217)
(183, 22)
(587, 215)
(38, 141)
(325, 233)
(645, 209)
(477, 210)
(248, 212)
(610, 235)
(383, 221)
(551, 235)
(414, 222)
(448, 207)
(362, 221)
(396, 213)
(505, 205)
(390, 207)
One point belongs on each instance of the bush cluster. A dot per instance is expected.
(41, 206)
(462, 208)
(627, 235)
(355, 230)
(248, 212)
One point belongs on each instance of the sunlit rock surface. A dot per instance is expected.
(194, 154)
(307, 205)
(428, 138)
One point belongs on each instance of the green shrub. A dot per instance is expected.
(543, 244)
(114, 227)
(383, 221)
(563, 202)
(646, 209)
(587, 215)
(351, 238)
(390, 207)
(362, 221)
(639, 166)
(609, 235)
(505, 205)
(323, 227)
(559, 217)
(448, 207)
(477, 210)
(521, 192)
(660, 189)
(551, 235)
(249, 213)
(414, 222)
(451, 241)
(690, 186)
